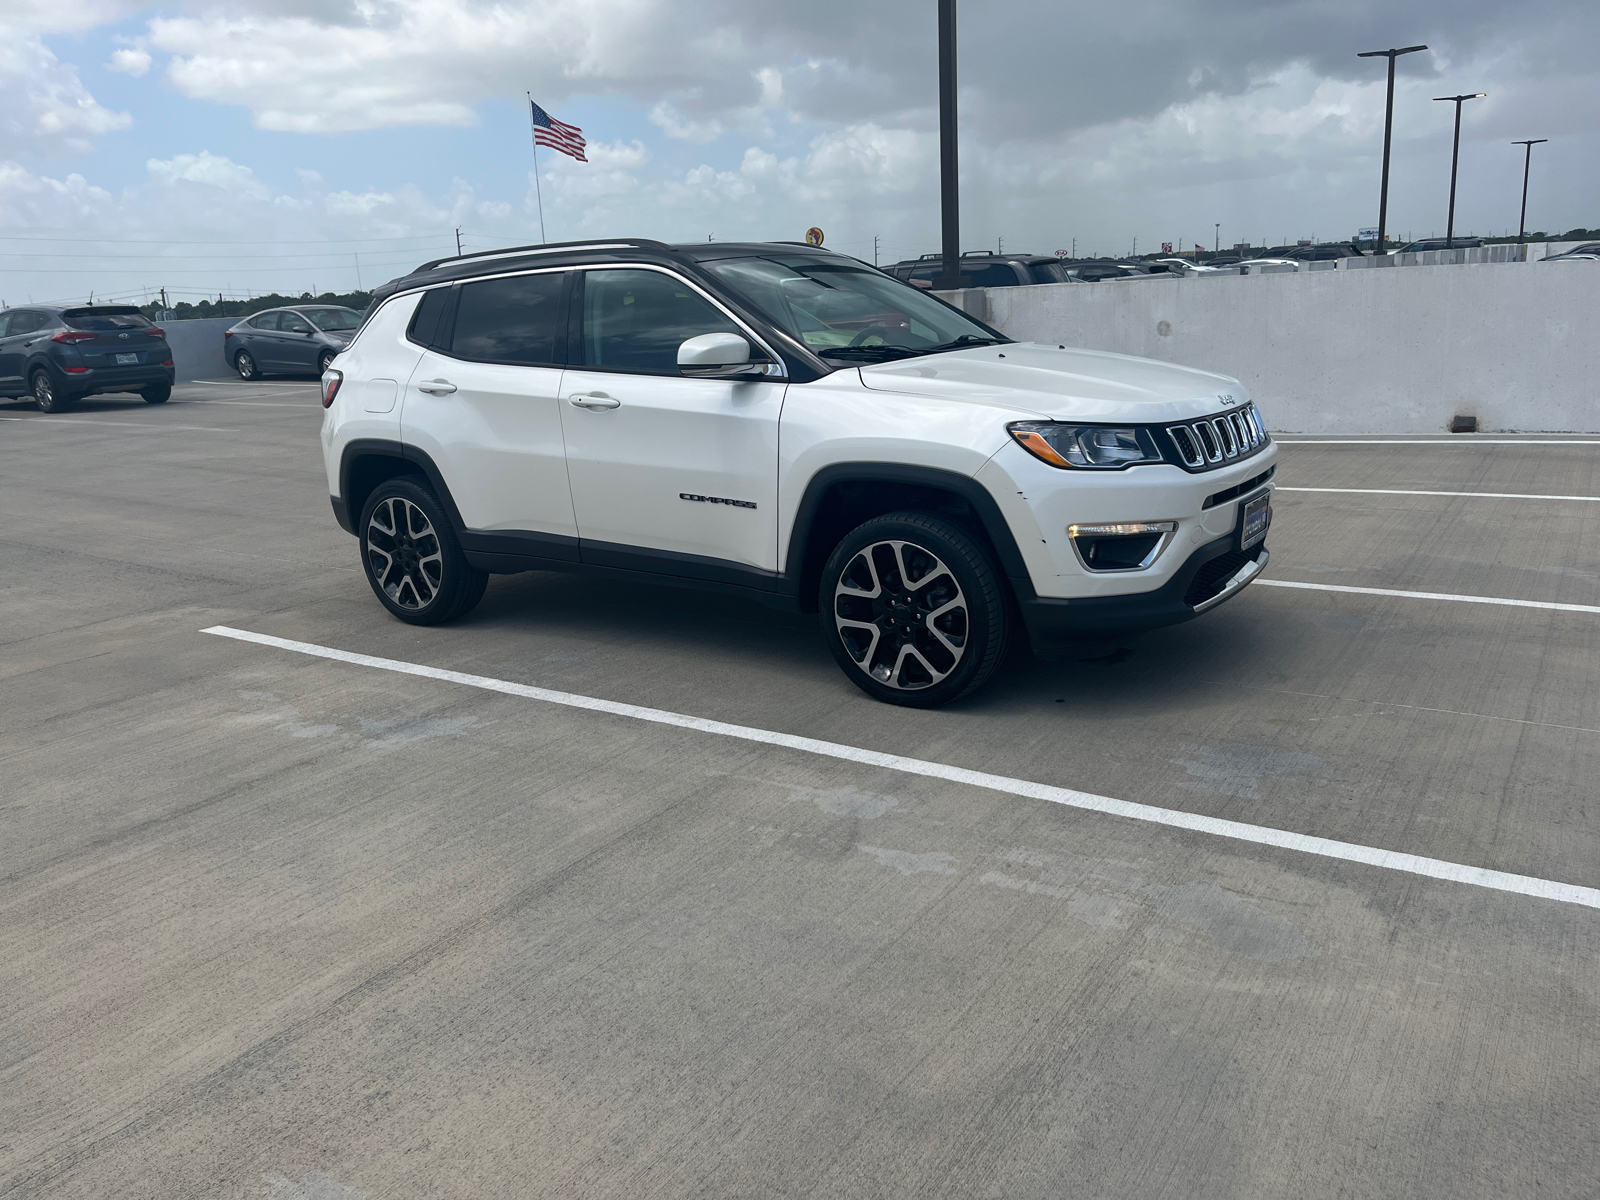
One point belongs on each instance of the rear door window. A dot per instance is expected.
(267, 320)
(26, 322)
(992, 275)
(636, 320)
(516, 319)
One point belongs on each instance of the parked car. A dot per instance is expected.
(1182, 266)
(1270, 262)
(1321, 252)
(1092, 270)
(794, 428)
(59, 355)
(299, 340)
(1589, 250)
(1460, 243)
(983, 269)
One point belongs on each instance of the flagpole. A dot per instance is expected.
(537, 190)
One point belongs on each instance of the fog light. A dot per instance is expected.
(1121, 545)
(1125, 529)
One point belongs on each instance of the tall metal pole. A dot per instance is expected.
(949, 171)
(1527, 162)
(1388, 130)
(1455, 153)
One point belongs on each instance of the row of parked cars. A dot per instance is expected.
(983, 269)
(58, 354)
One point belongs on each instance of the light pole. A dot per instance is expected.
(1455, 153)
(949, 173)
(1527, 161)
(1388, 126)
(1216, 245)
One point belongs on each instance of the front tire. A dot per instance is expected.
(45, 395)
(244, 363)
(913, 610)
(412, 558)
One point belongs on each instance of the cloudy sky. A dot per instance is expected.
(207, 145)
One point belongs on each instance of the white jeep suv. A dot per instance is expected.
(794, 427)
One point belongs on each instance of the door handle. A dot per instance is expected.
(594, 401)
(436, 387)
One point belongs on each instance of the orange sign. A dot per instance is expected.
(813, 236)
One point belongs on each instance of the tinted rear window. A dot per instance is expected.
(27, 322)
(105, 318)
(425, 329)
(514, 320)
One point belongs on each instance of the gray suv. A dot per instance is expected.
(297, 341)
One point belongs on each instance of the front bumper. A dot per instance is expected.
(1210, 576)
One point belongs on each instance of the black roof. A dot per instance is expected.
(588, 251)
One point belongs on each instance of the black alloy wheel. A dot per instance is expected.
(913, 610)
(244, 363)
(45, 394)
(158, 393)
(412, 558)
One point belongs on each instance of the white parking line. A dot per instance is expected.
(1413, 864)
(1401, 492)
(241, 383)
(1439, 441)
(150, 428)
(1367, 591)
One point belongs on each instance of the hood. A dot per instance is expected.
(1066, 385)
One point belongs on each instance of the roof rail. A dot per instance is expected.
(546, 248)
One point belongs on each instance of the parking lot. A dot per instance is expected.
(278, 923)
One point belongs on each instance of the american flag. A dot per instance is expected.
(558, 135)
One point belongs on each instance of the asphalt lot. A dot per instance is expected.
(277, 925)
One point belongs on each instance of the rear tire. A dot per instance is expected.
(45, 395)
(244, 363)
(158, 394)
(412, 558)
(324, 361)
(914, 611)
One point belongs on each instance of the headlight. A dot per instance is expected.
(1106, 447)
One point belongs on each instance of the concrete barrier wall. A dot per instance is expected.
(1385, 351)
(197, 347)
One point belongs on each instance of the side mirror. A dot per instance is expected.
(719, 356)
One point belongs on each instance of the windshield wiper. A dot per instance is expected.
(964, 342)
(869, 353)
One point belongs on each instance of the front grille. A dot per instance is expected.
(1210, 442)
(1210, 579)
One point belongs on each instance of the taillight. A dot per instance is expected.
(77, 370)
(155, 331)
(330, 386)
(167, 363)
(73, 336)
(226, 334)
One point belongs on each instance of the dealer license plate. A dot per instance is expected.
(127, 360)
(1254, 520)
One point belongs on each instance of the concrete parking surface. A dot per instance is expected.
(277, 925)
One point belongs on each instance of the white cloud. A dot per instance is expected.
(46, 110)
(129, 61)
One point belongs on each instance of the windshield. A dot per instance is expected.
(847, 312)
(332, 318)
